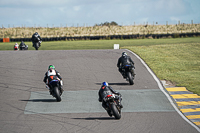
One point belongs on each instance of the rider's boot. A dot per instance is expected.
(61, 88)
(121, 106)
(123, 74)
(50, 90)
(109, 113)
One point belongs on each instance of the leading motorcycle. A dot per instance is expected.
(55, 88)
(113, 104)
(128, 73)
(36, 45)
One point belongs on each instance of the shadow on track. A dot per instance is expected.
(40, 100)
(115, 84)
(95, 118)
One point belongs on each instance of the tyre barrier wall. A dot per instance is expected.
(108, 37)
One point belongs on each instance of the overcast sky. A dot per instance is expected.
(32, 13)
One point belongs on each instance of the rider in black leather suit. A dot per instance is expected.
(107, 90)
(125, 60)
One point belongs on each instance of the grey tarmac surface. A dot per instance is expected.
(27, 107)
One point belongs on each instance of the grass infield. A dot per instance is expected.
(176, 60)
(178, 63)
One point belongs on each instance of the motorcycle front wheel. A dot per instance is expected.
(130, 78)
(57, 94)
(36, 46)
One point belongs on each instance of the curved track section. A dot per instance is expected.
(26, 106)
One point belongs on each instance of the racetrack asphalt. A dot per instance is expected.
(146, 108)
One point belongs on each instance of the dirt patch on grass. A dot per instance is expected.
(168, 83)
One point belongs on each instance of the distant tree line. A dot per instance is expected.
(107, 24)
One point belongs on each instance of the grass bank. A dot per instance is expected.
(178, 63)
(101, 44)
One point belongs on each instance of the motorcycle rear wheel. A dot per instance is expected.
(116, 112)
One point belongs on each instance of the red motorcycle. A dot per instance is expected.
(113, 103)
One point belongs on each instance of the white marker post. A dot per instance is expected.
(116, 46)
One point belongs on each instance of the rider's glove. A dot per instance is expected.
(61, 82)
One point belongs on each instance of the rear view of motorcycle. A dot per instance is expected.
(55, 89)
(37, 45)
(24, 47)
(113, 103)
(128, 73)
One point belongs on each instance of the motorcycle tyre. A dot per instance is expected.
(57, 94)
(36, 46)
(130, 78)
(116, 113)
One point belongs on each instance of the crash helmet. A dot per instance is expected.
(36, 33)
(104, 84)
(124, 54)
(51, 67)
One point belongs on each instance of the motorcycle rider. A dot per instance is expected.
(36, 38)
(21, 45)
(50, 75)
(125, 60)
(16, 46)
(108, 90)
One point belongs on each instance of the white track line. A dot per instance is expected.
(162, 89)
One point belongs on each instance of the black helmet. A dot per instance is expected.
(124, 54)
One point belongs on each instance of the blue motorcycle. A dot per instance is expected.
(128, 73)
(56, 89)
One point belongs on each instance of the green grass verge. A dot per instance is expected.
(178, 63)
(100, 44)
(176, 60)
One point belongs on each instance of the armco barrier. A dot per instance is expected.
(133, 36)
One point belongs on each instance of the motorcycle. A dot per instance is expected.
(113, 104)
(37, 45)
(128, 73)
(55, 88)
(24, 47)
(16, 47)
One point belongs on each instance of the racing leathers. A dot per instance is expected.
(36, 39)
(125, 60)
(16, 46)
(22, 44)
(105, 91)
(52, 75)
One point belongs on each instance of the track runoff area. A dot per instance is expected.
(146, 104)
